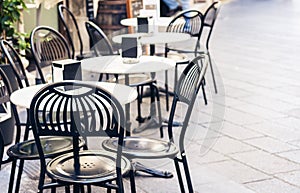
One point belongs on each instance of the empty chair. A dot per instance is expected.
(15, 63)
(190, 22)
(79, 110)
(24, 150)
(209, 20)
(72, 32)
(4, 102)
(99, 42)
(1, 147)
(47, 45)
(190, 81)
(102, 46)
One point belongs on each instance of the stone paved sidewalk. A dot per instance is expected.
(247, 139)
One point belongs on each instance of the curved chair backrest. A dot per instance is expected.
(15, 63)
(4, 99)
(47, 45)
(187, 88)
(72, 30)
(99, 41)
(76, 109)
(189, 21)
(11, 110)
(210, 17)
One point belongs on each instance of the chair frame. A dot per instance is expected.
(16, 64)
(2, 100)
(182, 27)
(61, 10)
(188, 96)
(92, 27)
(186, 91)
(70, 120)
(213, 7)
(62, 51)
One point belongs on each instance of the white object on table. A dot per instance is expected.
(124, 94)
(160, 22)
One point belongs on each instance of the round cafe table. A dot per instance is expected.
(114, 65)
(123, 93)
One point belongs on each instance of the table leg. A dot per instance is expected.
(152, 49)
(155, 119)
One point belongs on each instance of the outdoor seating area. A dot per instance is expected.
(135, 96)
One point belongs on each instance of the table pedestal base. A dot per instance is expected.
(138, 167)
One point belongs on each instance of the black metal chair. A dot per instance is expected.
(1, 148)
(209, 20)
(5, 91)
(18, 80)
(15, 63)
(75, 109)
(185, 92)
(26, 149)
(102, 46)
(72, 32)
(47, 45)
(190, 22)
(99, 43)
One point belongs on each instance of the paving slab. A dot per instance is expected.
(266, 162)
(272, 186)
(271, 145)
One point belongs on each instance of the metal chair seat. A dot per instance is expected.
(96, 167)
(143, 148)
(53, 146)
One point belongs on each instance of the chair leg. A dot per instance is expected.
(82, 188)
(161, 130)
(167, 90)
(12, 176)
(187, 174)
(139, 103)
(100, 77)
(204, 94)
(179, 176)
(176, 76)
(67, 189)
(53, 189)
(89, 189)
(212, 72)
(132, 180)
(76, 188)
(20, 171)
(158, 106)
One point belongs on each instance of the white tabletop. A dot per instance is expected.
(114, 65)
(162, 21)
(155, 38)
(123, 93)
